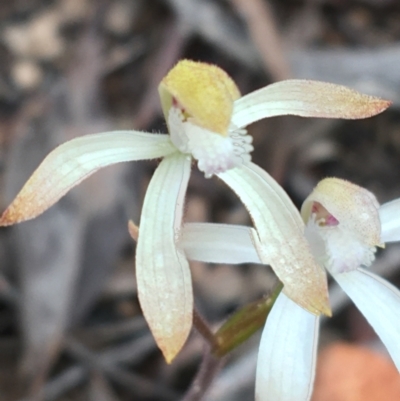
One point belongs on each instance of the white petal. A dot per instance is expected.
(287, 354)
(389, 214)
(75, 160)
(379, 302)
(281, 232)
(307, 99)
(219, 243)
(162, 271)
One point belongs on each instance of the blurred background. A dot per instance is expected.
(70, 323)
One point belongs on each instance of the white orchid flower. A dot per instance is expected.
(344, 224)
(206, 119)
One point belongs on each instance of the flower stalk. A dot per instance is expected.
(244, 323)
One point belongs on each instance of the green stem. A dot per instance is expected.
(244, 323)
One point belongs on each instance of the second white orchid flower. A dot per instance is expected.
(206, 118)
(344, 224)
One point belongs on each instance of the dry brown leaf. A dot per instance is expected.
(352, 373)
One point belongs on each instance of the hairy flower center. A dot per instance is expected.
(214, 152)
(341, 250)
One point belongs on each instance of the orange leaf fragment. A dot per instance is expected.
(347, 372)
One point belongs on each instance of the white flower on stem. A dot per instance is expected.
(207, 121)
(344, 224)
